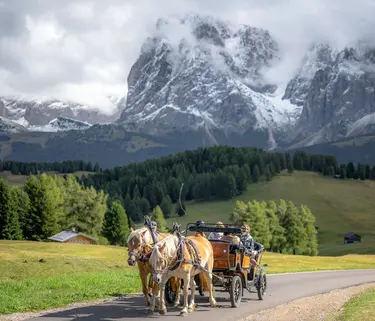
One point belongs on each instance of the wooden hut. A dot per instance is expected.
(71, 236)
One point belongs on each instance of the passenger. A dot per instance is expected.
(200, 223)
(246, 239)
(216, 235)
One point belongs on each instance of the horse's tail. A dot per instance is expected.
(204, 281)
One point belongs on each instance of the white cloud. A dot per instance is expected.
(84, 49)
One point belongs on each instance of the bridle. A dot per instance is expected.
(145, 251)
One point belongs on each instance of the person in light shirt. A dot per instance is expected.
(216, 235)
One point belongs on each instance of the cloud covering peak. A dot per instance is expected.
(83, 49)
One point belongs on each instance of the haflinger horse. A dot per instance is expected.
(182, 257)
(139, 249)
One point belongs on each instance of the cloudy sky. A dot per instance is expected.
(83, 49)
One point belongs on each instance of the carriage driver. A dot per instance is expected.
(246, 239)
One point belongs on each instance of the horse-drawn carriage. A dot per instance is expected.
(234, 270)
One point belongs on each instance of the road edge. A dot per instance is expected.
(20, 316)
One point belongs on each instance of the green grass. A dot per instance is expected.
(339, 206)
(360, 307)
(69, 273)
(77, 273)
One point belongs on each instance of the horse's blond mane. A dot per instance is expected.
(136, 233)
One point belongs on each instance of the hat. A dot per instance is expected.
(219, 224)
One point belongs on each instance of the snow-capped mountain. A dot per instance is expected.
(9, 126)
(39, 112)
(337, 91)
(56, 125)
(210, 78)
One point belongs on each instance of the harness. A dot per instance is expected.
(183, 243)
(145, 256)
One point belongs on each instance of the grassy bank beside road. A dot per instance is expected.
(360, 307)
(36, 276)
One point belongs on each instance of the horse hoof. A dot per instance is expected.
(162, 312)
(182, 314)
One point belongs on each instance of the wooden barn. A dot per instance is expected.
(351, 237)
(71, 236)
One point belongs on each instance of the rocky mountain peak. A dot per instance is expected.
(210, 78)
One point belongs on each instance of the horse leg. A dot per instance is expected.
(155, 294)
(186, 294)
(192, 294)
(143, 275)
(162, 306)
(178, 292)
(209, 277)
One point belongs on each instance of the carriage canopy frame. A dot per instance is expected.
(211, 227)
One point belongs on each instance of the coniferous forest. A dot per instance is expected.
(105, 203)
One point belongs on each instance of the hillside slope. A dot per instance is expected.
(339, 206)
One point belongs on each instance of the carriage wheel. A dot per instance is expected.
(170, 295)
(235, 291)
(262, 285)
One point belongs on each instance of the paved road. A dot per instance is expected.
(281, 289)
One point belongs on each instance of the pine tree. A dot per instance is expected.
(45, 212)
(9, 222)
(115, 225)
(166, 206)
(267, 174)
(158, 217)
(23, 207)
(255, 174)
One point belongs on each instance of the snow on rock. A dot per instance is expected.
(209, 77)
(8, 126)
(338, 100)
(61, 124)
(40, 111)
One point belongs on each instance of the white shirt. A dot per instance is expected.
(215, 236)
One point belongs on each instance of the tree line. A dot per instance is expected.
(49, 204)
(330, 167)
(33, 168)
(279, 226)
(213, 173)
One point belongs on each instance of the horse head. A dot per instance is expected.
(163, 252)
(137, 242)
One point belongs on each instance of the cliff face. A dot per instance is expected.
(211, 80)
(338, 98)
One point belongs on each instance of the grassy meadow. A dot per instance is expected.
(72, 273)
(340, 206)
(360, 307)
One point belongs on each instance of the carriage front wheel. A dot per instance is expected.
(261, 285)
(170, 295)
(235, 291)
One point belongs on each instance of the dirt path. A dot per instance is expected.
(319, 307)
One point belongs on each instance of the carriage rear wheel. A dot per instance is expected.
(262, 285)
(235, 291)
(170, 295)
